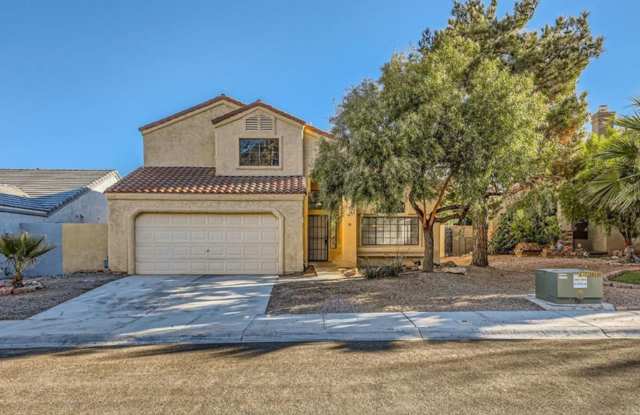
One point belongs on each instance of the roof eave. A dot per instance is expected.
(188, 111)
(233, 115)
(21, 211)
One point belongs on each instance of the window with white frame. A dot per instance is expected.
(263, 152)
(389, 230)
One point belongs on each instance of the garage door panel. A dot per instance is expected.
(251, 235)
(215, 268)
(269, 236)
(233, 236)
(233, 251)
(207, 244)
(251, 220)
(234, 220)
(269, 252)
(252, 251)
(216, 220)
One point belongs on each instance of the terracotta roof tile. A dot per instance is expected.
(204, 180)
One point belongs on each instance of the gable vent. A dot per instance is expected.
(258, 123)
(266, 123)
(251, 123)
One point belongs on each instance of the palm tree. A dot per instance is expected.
(22, 251)
(631, 122)
(615, 186)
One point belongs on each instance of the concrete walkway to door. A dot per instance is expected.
(149, 309)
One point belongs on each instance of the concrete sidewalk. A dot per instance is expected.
(127, 330)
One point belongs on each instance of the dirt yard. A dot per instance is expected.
(57, 290)
(503, 286)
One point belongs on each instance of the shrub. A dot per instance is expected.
(533, 219)
(22, 251)
(381, 271)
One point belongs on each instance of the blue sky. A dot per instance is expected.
(77, 78)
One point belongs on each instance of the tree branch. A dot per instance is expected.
(450, 207)
(448, 218)
(415, 207)
(443, 190)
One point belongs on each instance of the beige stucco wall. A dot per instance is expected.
(124, 208)
(228, 134)
(84, 247)
(311, 148)
(603, 241)
(186, 141)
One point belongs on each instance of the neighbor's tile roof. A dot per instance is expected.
(204, 180)
(42, 191)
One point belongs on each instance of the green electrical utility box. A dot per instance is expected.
(569, 286)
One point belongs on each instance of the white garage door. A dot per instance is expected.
(207, 244)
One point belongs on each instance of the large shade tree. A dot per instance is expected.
(555, 57)
(427, 126)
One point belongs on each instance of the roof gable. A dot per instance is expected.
(261, 105)
(201, 106)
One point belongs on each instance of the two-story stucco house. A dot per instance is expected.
(225, 189)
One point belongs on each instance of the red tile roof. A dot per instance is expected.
(191, 109)
(261, 104)
(204, 180)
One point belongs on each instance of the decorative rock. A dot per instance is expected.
(349, 273)
(23, 290)
(29, 286)
(454, 270)
(527, 248)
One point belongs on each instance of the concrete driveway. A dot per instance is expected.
(155, 307)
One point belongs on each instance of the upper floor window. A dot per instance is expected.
(259, 152)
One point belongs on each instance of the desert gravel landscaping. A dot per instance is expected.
(57, 290)
(503, 286)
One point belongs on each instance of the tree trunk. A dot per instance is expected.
(427, 261)
(480, 256)
(17, 280)
(629, 250)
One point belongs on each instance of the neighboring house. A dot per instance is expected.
(594, 238)
(41, 201)
(226, 189)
